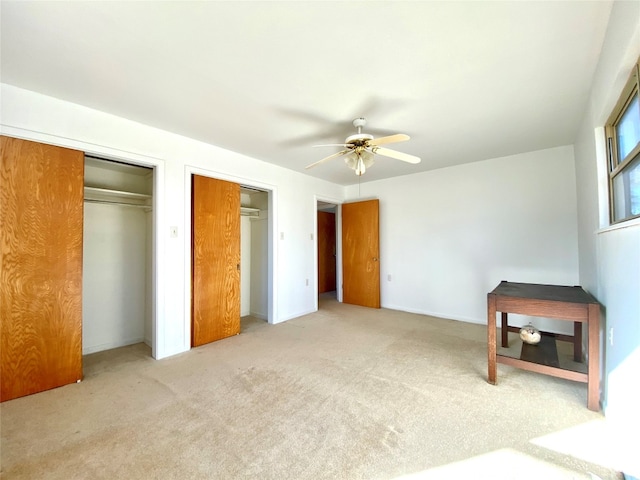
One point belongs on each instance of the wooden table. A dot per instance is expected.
(552, 301)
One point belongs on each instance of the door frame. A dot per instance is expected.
(272, 195)
(338, 204)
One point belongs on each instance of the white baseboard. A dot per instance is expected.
(110, 345)
(261, 316)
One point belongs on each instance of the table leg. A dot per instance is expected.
(504, 330)
(593, 369)
(491, 338)
(577, 341)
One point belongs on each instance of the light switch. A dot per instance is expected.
(173, 232)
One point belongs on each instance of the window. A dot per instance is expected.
(623, 152)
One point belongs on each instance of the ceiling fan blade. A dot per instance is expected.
(398, 137)
(325, 159)
(332, 145)
(387, 152)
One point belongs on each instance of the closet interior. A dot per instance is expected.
(254, 252)
(117, 288)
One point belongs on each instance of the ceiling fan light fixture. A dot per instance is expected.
(351, 160)
(359, 161)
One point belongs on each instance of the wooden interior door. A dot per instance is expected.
(360, 253)
(215, 301)
(41, 193)
(326, 252)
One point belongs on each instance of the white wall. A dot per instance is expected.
(610, 257)
(618, 253)
(114, 277)
(449, 236)
(245, 266)
(259, 271)
(37, 117)
(149, 267)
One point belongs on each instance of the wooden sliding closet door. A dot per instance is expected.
(41, 192)
(215, 254)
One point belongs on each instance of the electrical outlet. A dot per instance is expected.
(389, 278)
(281, 235)
(307, 282)
(611, 336)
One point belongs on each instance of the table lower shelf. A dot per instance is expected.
(544, 353)
(545, 357)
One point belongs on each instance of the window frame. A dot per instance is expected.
(615, 164)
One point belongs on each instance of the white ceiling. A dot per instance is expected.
(467, 81)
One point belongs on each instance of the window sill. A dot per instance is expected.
(618, 226)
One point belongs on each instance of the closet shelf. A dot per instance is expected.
(88, 191)
(249, 212)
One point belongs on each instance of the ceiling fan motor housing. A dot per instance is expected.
(359, 139)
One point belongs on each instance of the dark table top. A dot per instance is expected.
(559, 293)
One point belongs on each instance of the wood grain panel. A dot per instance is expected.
(545, 369)
(41, 190)
(326, 252)
(360, 253)
(543, 308)
(544, 353)
(216, 257)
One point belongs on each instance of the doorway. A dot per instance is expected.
(327, 249)
(327, 266)
(357, 267)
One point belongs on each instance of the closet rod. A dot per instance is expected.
(123, 204)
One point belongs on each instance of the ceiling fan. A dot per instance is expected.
(361, 148)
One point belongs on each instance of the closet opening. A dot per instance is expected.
(117, 285)
(254, 257)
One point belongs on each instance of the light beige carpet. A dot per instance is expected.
(345, 393)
